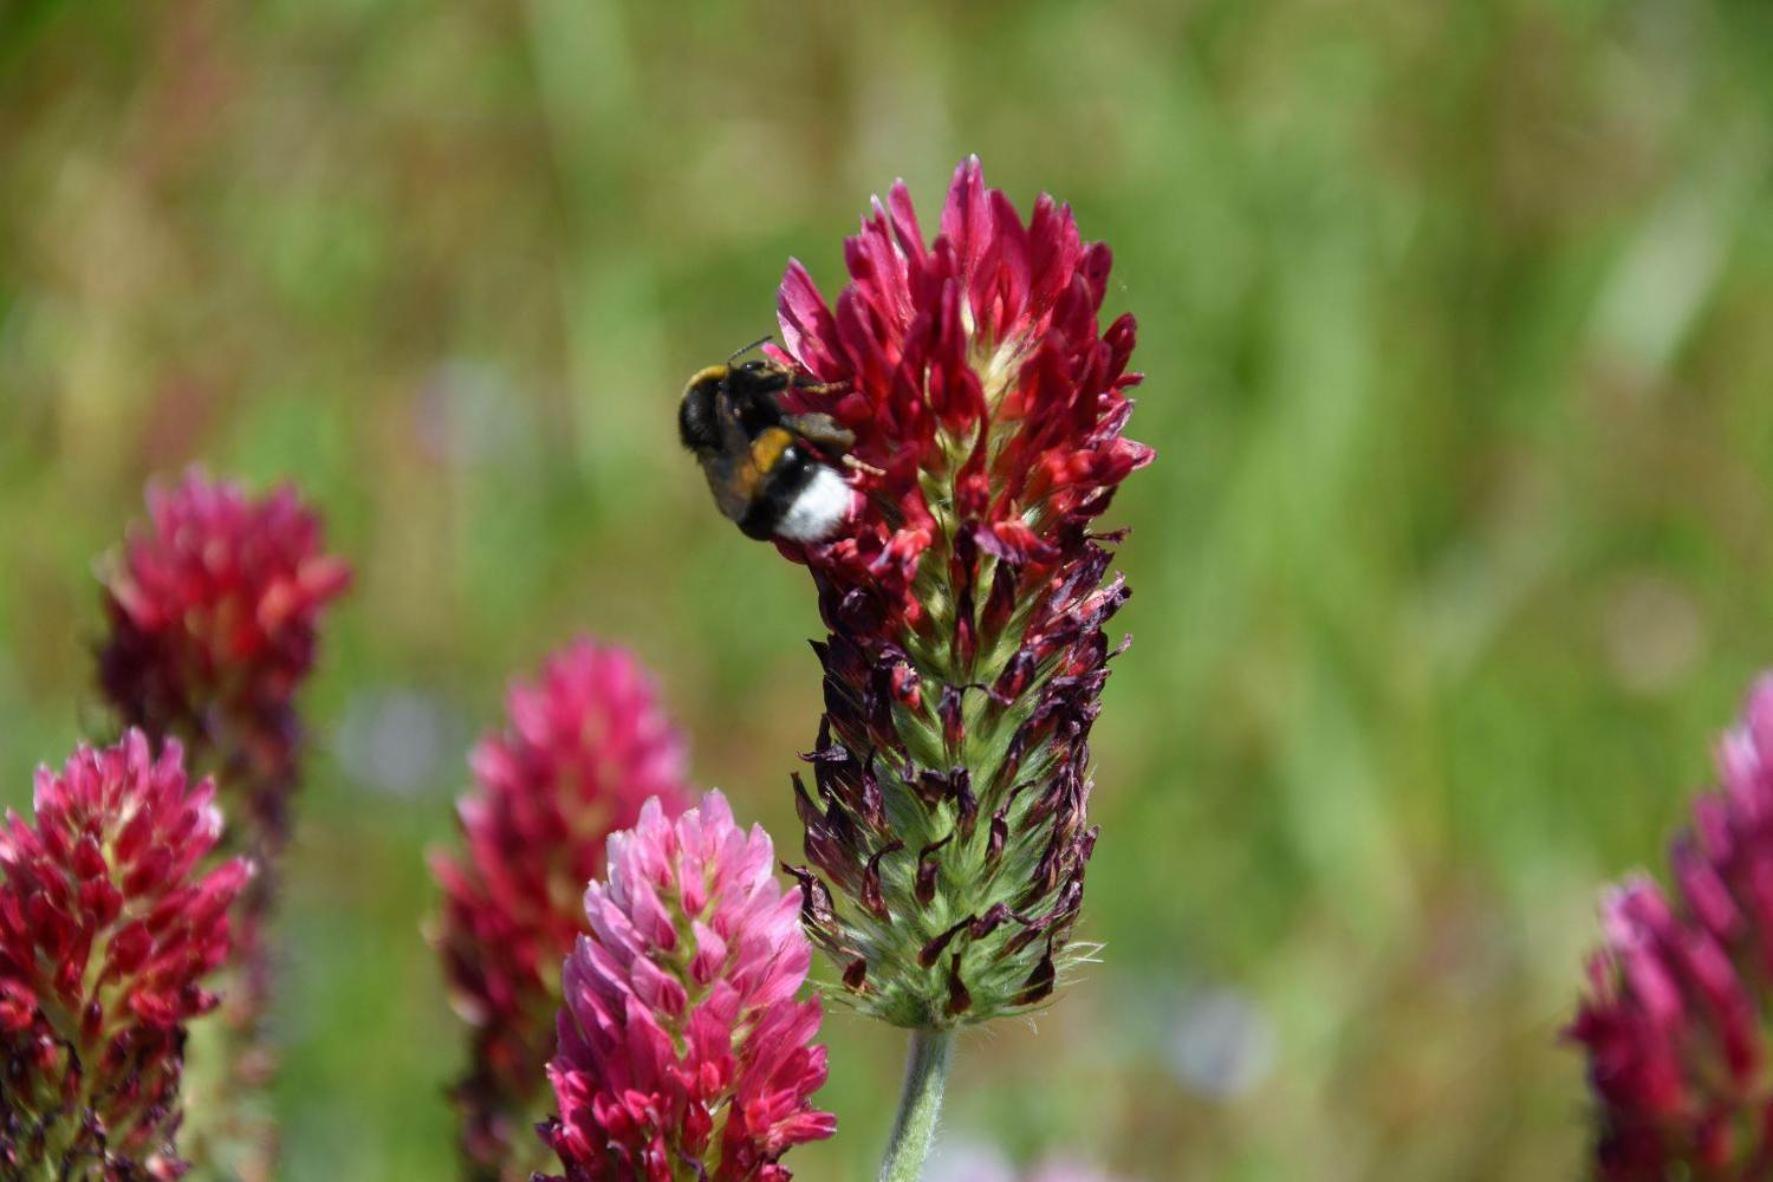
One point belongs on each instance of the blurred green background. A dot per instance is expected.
(1458, 321)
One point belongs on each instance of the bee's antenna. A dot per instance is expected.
(738, 353)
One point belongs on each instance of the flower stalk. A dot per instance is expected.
(920, 1105)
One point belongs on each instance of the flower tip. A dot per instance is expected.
(326, 577)
(714, 805)
(209, 815)
(652, 812)
(1757, 716)
(136, 747)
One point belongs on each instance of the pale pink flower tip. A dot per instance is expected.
(681, 1042)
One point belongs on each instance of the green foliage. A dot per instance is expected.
(1460, 548)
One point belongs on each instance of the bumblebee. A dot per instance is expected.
(767, 468)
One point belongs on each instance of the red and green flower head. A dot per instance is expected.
(214, 607)
(966, 597)
(110, 918)
(585, 746)
(1681, 994)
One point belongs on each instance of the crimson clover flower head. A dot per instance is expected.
(1679, 997)
(586, 745)
(213, 606)
(109, 922)
(986, 400)
(683, 1049)
(965, 597)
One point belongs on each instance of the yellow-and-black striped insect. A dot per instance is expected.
(767, 468)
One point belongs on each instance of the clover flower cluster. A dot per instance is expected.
(110, 919)
(684, 1052)
(966, 598)
(214, 608)
(586, 746)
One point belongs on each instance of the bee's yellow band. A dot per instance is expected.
(768, 447)
(714, 373)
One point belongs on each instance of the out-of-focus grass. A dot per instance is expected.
(1459, 328)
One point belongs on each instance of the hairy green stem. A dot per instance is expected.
(920, 1104)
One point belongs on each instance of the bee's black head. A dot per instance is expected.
(757, 378)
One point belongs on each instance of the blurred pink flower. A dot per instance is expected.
(108, 924)
(683, 1052)
(587, 744)
(966, 597)
(1066, 1169)
(1681, 994)
(214, 605)
(963, 1160)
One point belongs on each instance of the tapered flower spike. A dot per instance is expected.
(683, 1052)
(108, 925)
(1681, 994)
(965, 598)
(586, 746)
(214, 607)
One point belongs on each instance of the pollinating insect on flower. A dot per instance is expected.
(683, 1050)
(1679, 1002)
(586, 746)
(968, 399)
(766, 466)
(109, 922)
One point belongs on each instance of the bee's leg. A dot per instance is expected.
(850, 461)
(799, 382)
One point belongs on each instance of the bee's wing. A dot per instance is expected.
(733, 480)
(732, 474)
(822, 430)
